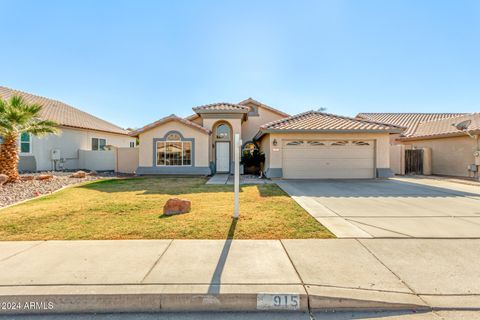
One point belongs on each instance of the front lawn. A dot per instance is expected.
(132, 209)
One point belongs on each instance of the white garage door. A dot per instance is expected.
(332, 159)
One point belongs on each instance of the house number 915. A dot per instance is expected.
(271, 301)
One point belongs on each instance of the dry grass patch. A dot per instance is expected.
(132, 209)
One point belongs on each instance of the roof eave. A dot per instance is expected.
(330, 131)
(439, 136)
(92, 129)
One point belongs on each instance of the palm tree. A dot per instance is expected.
(17, 117)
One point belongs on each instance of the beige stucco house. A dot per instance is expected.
(80, 143)
(308, 145)
(453, 152)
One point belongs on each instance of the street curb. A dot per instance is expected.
(192, 298)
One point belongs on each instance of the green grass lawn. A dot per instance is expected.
(133, 209)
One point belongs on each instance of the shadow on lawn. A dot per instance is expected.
(215, 283)
(173, 186)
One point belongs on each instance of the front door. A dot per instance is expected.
(222, 156)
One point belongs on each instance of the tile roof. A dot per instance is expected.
(251, 100)
(407, 120)
(171, 117)
(445, 127)
(221, 107)
(320, 121)
(64, 114)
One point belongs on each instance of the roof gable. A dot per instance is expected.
(64, 114)
(261, 105)
(170, 118)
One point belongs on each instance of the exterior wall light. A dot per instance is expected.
(275, 142)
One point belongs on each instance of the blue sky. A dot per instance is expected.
(133, 62)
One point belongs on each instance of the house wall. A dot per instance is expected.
(127, 160)
(251, 127)
(450, 156)
(200, 152)
(275, 153)
(397, 159)
(97, 160)
(69, 141)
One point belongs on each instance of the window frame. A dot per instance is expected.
(132, 144)
(29, 142)
(182, 142)
(98, 144)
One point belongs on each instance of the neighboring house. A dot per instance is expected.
(452, 150)
(80, 134)
(308, 145)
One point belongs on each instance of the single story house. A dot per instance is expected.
(80, 144)
(308, 145)
(453, 152)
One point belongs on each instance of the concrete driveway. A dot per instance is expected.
(394, 208)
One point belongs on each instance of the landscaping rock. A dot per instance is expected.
(3, 179)
(28, 187)
(176, 206)
(79, 174)
(93, 173)
(44, 177)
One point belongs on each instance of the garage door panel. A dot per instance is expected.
(325, 161)
(326, 154)
(300, 173)
(338, 163)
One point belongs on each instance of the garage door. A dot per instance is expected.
(332, 159)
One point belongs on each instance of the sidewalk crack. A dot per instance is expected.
(156, 262)
(396, 275)
(310, 312)
(22, 251)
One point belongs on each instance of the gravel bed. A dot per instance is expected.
(11, 193)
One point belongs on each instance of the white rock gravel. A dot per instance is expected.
(11, 193)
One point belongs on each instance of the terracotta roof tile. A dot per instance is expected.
(407, 120)
(171, 117)
(320, 121)
(221, 107)
(64, 114)
(446, 127)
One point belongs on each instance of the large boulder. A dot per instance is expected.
(79, 174)
(3, 179)
(176, 206)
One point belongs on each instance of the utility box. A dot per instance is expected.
(476, 155)
(55, 154)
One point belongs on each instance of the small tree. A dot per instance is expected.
(17, 117)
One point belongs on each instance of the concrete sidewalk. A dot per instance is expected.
(239, 275)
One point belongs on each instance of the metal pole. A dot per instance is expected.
(237, 174)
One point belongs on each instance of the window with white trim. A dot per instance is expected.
(174, 151)
(25, 143)
(132, 144)
(98, 144)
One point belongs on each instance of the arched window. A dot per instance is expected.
(223, 132)
(173, 137)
